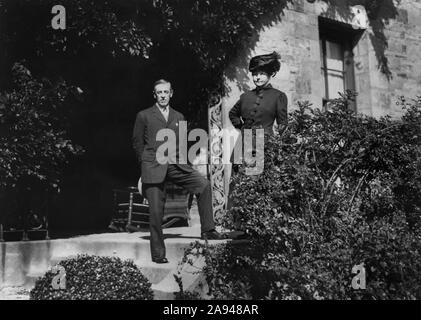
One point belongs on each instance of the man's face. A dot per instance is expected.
(261, 78)
(163, 94)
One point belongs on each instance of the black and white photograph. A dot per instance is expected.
(225, 152)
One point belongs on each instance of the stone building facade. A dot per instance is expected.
(299, 38)
(324, 51)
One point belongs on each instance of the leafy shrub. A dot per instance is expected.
(34, 143)
(33, 138)
(95, 278)
(338, 190)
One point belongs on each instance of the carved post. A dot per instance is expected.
(216, 165)
(130, 215)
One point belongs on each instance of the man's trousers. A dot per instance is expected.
(194, 183)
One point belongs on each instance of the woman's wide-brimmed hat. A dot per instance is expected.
(266, 62)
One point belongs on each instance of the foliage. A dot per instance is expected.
(338, 190)
(95, 278)
(33, 140)
(106, 25)
(34, 145)
(196, 37)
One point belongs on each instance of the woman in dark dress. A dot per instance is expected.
(260, 107)
(263, 105)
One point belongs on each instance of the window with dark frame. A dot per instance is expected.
(337, 59)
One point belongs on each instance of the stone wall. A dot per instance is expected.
(296, 38)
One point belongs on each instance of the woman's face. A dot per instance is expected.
(261, 78)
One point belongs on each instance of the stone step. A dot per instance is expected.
(22, 263)
(8, 275)
(161, 276)
(14, 293)
(35, 256)
(191, 277)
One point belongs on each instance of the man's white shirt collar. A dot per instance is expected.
(164, 111)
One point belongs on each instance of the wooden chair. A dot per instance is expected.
(131, 208)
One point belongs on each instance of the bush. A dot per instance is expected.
(95, 278)
(34, 143)
(338, 190)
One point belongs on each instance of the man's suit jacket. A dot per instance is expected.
(147, 125)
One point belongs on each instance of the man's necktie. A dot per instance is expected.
(164, 112)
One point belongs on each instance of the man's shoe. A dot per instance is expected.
(212, 235)
(238, 235)
(160, 260)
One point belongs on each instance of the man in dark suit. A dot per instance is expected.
(155, 172)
